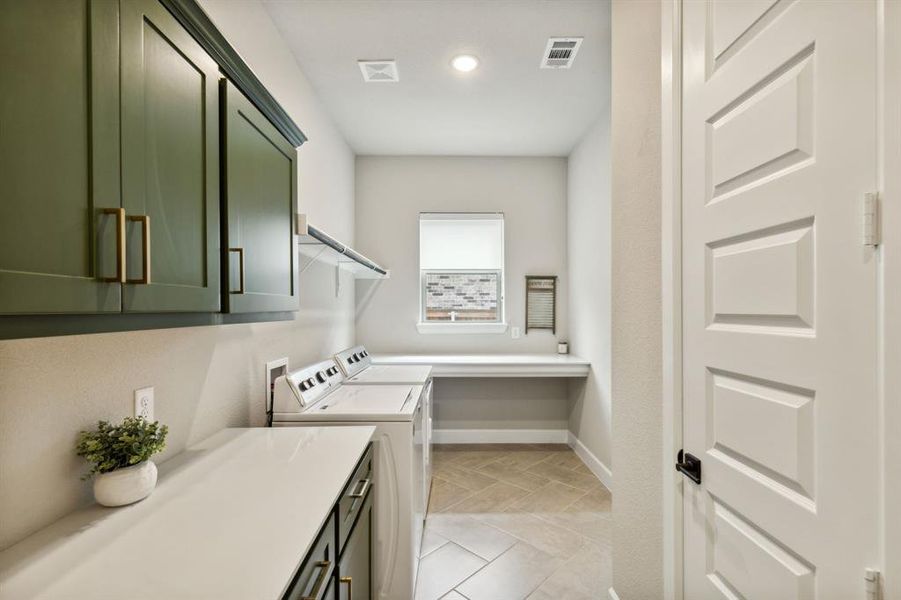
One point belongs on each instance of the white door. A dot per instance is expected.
(779, 323)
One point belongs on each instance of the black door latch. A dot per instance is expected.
(689, 465)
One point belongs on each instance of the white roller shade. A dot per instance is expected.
(461, 241)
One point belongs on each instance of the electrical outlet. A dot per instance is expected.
(514, 332)
(144, 403)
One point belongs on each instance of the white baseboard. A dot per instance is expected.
(612, 593)
(500, 436)
(600, 470)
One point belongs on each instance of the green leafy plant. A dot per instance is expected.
(113, 447)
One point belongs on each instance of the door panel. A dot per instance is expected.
(779, 298)
(260, 202)
(355, 568)
(170, 156)
(59, 156)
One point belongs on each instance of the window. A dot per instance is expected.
(461, 263)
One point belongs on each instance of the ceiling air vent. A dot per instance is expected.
(560, 52)
(379, 71)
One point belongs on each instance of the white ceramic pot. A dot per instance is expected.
(126, 485)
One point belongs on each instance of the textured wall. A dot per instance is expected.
(205, 378)
(588, 251)
(636, 304)
(472, 403)
(392, 191)
(531, 192)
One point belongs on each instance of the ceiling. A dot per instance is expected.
(507, 107)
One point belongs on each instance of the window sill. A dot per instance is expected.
(461, 328)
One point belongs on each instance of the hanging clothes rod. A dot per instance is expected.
(305, 230)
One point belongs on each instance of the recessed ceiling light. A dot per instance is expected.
(465, 63)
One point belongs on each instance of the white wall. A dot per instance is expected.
(392, 191)
(206, 378)
(636, 376)
(531, 192)
(326, 190)
(501, 403)
(588, 251)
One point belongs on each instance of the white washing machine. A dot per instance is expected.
(315, 395)
(358, 370)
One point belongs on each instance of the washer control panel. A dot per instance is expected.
(300, 389)
(353, 360)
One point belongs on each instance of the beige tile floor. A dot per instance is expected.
(510, 522)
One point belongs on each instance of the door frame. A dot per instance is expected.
(671, 289)
(888, 120)
(888, 280)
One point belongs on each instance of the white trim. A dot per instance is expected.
(594, 464)
(462, 216)
(523, 371)
(445, 328)
(671, 291)
(499, 436)
(493, 365)
(612, 593)
(888, 255)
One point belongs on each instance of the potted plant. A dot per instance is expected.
(120, 459)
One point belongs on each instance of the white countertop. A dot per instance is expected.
(493, 365)
(232, 517)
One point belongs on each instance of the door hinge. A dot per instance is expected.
(870, 219)
(871, 578)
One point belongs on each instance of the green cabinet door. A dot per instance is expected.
(170, 164)
(259, 198)
(355, 568)
(59, 156)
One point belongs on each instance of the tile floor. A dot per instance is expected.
(510, 522)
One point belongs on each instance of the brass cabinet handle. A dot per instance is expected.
(120, 244)
(240, 252)
(350, 586)
(363, 489)
(145, 249)
(315, 593)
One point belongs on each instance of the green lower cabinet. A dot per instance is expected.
(170, 164)
(259, 199)
(355, 566)
(59, 156)
(317, 572)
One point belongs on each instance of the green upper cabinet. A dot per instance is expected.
(59, 157)
(170, 164)
(259, 200)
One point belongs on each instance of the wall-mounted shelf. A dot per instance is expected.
(315, 244)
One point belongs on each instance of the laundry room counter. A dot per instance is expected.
(231, 518)
(493, 365)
